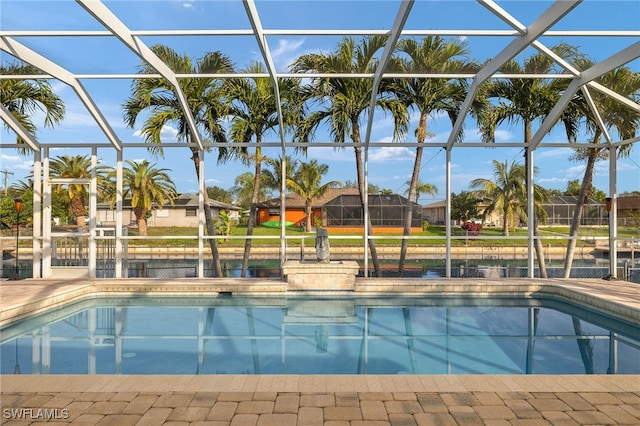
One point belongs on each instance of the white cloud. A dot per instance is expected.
(9, 159)
(554, 182)
(553, 153)
(286, 52)
(474, 135)
(21, 167)
(212, 181)
(167, 134)
(503, 136)
(391, 154)
(331, 154)
(187, 4)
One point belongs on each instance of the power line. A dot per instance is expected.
(6, 178)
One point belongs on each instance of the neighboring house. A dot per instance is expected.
(629, 211)
(184, 212)
(434, 214)
(340, 209)
(560, 210)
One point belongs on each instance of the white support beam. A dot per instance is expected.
(202, 219)
(447, 214)
(47, 249)
(258, 31)
(504, 16)
(462, 32)
(622, 99)
(613, 214)
(102, 14)
(93, 202)
(119, 253)
(29, 56)
(17, 127)
(618, 59)
(37, 214)
(531, 254)
(548, 18)
(596, 114)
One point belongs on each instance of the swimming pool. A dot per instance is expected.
(331, 335)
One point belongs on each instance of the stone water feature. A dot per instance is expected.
(323, 273)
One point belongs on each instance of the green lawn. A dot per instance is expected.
(434, 235)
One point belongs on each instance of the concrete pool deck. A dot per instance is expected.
(319, 399)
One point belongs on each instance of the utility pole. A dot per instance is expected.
(6, 178)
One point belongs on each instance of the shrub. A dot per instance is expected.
(472, 228)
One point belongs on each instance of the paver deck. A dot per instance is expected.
(318, 399)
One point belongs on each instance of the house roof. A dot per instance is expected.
(437, 205)
(628, 203)
(570, 200)
(296, 201)
(376, 200)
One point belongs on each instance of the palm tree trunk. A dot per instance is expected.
(309, 212)
(538, 248)
(505, 225)
(78, 209)
(213, 244)
(584, 194)
(141, 221)
(408, 216)
(584, 346)
(252, 210)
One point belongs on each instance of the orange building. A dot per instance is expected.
(340, 210)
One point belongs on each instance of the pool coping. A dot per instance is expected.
(24, 298)
(315, 383)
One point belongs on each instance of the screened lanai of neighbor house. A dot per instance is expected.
(97, 56)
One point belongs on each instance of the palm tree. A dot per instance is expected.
(242, 190)
(205, 97)
(432, 54)
(253, 114)
(343, 101)
(306, 183)
(614, 115)
(528, 100)
(507, 192)
(272, 178)
(77, 167)
(23, 98)
(147, 186)
(421, 188)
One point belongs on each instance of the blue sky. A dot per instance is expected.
(389, 167)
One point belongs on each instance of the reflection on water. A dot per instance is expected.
(181, 268)
(276, 335)
(187, 267)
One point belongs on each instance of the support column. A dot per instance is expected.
(447, 213)
(613, 214)
(37, 215)
(201, 214)
(530, 214)
(118, 230)
(46, 217)
(93, 200)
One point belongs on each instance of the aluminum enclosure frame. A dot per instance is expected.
(521, 37)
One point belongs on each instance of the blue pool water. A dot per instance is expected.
(277, 335)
